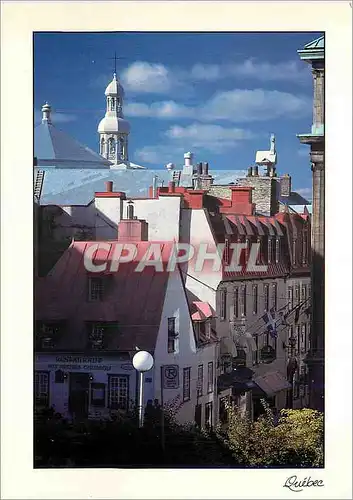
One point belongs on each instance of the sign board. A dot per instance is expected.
(170, 374)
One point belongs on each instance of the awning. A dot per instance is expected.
(202, 311)
(272, 382)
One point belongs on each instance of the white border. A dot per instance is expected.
(18, 21)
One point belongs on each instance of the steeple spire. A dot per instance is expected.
(46, 110)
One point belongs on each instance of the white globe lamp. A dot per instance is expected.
(142, 361)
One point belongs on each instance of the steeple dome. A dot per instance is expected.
(113, 129)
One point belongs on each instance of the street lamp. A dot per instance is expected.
(142, 362)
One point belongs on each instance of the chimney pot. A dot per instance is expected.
(109, 186)
(199, 168)
(256, 171)
(250, 172)
(171, 187)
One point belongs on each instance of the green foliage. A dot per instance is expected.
(294, 440)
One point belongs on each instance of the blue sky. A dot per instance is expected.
(219, 95)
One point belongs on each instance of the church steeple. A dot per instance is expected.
(114, 129)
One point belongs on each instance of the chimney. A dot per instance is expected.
(188, 157)
(130, 210)
(109, 186)
(285, 185)
(249, 172)
(171, 187)
(154, 186)
(199, 169)
(204, 168)
(241, 201)
(255, 171)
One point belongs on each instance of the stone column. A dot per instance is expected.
(318, 105)
(316, 367)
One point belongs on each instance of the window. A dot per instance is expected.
(255, 353)
(48, 333)
(303, 339)
(260, 251)
(41, 388)
(223, 305)
(208, 415)
(186, 384)
(255, 298)
(274, 295)
(96, 336)
(199, 380)
(277, 250)
(269, 250)
(298, 337)
(198, 415)
(102, 151)
(297, 295)
(210, 377)
(303, 298)
(98, 394)
(290, 298)
(305, 247)
(226, 252)
(171, 335)
(95, 289)
(236, 302)
(118, 390)
(243, 301)
(267, 297)
(294, 260)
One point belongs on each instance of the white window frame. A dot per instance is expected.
(41, 387)
(199, 387)
(187, 383)
(223, 304)
(278, 248)
(118, 391)
(210, 377)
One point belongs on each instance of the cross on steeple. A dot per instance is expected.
(116, 58)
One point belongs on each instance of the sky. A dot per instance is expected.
(219, 95)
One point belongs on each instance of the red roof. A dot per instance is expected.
(132, 299)
(201, 311)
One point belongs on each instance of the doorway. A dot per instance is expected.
(78, 398)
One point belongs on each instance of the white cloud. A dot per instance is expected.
(214, 138)
(236, 105)
(162, 109)
(160, 154)
(146, 77)
(199, 138)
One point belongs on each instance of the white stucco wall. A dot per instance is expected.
(162, 215)
(187, 354)
(196, 229)
(108, 212)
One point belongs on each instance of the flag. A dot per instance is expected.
(270, 320)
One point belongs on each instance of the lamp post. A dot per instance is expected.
(142, 362)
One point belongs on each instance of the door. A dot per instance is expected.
(78, 399)
(198, 415)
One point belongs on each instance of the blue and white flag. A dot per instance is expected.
(270, 320)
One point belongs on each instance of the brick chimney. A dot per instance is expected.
(109, 192)
(285, 185)
(241, 201)
(132, 229)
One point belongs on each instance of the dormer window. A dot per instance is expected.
(226, 254)
(277, 254)
(294, 252)
(203, 330)
(305, 247)
(48, 334)
(95, 289)
(96, 333)
(269, 250)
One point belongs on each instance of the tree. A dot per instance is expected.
(294, 439)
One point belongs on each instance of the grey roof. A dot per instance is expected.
(54, 148)
(77, 186)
